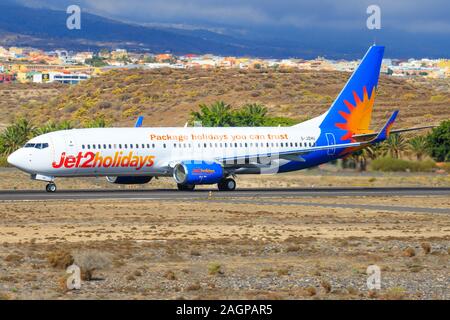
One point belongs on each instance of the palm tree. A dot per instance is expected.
(418, 146)
(394, 146)
(361, 156)
(16, 135)
(251, 115)
(217, 114)
(54, 126)
(98, 122)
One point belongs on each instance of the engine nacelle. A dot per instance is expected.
(129, 180)
(197, 172)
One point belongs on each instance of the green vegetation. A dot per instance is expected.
(400, 165)
(18, 133)
(418, 146)
(439, 142)
(220, 114)
(96, 62)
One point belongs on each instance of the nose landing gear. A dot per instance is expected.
(50, 187)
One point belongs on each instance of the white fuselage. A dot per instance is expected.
(152, 151)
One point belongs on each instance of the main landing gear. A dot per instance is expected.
(50, 187)
(227, 184)
(185, 187)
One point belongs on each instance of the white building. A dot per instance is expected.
(49, 77)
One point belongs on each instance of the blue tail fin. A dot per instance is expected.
(351, 112)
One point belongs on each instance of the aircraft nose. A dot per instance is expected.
(17, 159)
(12, 158)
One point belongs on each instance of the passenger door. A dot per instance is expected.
(331, 141)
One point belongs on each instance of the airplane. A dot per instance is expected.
(205, 156)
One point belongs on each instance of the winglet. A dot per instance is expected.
(139, 121)
(384, 132)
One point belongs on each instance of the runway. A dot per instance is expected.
(171, 194)
(265, 197)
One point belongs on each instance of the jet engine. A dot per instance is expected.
(198, 172)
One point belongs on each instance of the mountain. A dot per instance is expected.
(46, 28)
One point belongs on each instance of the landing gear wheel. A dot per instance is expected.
(51, 187)
(227, 185)
(185, 187)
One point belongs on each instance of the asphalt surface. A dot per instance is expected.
(171, 194)
(268, 197)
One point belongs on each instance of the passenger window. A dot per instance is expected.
(174, 145)
(164, 145)
(104, 146)
(235, 144)
(110, 146)
(99, 146)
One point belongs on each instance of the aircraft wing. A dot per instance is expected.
(371, 135)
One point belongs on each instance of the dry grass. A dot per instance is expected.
(167, 96)
(60, 259)
(409, 252)
(153, 248)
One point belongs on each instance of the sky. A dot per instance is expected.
(338, 24)
(406, 15)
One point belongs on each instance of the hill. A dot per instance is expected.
(46, 28)
(166, 97)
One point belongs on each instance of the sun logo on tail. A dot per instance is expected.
(357, 121)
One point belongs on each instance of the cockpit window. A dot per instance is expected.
(36, 145)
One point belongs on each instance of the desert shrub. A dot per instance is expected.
(390, 164)
(60, 259)
(438, 98)
(443, 165)
(193, 287)
(326, 286)
(104, 105)
(3, 162)
(91, 260)
(426, 247)
(170, 275)
(395, 293)
(409, 252)
(311, 291)
(215, 268)
(293, 248)
(14, 258)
